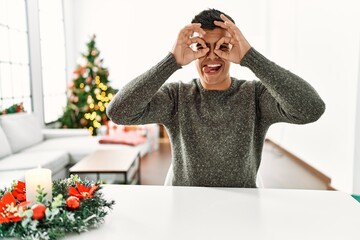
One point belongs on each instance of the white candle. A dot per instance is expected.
(34, 178)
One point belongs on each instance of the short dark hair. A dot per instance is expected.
(207, 18)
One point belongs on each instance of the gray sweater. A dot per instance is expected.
(217, 136)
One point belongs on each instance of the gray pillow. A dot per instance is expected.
(22, 130)
(5, 149)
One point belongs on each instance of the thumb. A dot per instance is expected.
(202, 52)
(221, 54)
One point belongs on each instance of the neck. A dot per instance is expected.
(224, 85)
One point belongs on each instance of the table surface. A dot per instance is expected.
(107, 161)
(165, 212)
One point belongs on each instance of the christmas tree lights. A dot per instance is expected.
(88, 94)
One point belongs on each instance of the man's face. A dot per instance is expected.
(213, 70)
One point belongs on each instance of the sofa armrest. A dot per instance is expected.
(59, 133)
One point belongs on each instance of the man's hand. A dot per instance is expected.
(239, 45)
(182, 50)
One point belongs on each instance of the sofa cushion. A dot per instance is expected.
(79, 147)
(53, 160)
(22, 130)
(5, 149)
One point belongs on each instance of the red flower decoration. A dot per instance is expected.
(19, 191)
(82, 192)
(9, 211)
(73, 202)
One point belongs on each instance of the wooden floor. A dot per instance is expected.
(155, 165)
(277, 169)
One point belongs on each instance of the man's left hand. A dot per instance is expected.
(239, 45)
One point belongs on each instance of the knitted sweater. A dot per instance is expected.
(217, 136)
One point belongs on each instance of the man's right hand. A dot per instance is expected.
(182, 49)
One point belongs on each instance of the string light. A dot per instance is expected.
(97, 79)
(89, 99)
(93, 116)
(82, 85)
(96, 124)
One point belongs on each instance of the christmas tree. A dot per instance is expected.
(88, 94)
(15, 108)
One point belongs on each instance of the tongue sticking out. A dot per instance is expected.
(207, 69)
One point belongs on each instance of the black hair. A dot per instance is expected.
(207, 18)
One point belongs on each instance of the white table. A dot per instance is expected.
(193, 213)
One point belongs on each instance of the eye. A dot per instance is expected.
(224, 47)
(199, 46)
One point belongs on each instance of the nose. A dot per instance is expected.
(211, 54)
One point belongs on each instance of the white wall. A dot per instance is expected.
(318, 40)
(134, 35)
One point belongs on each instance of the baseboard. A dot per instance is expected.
(315, 172)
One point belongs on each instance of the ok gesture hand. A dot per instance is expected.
(182, 50)
(239, 45)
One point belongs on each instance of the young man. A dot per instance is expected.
(216, 124)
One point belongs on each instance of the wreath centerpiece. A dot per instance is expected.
(77, 206)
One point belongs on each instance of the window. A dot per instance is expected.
(52, 40)
(14, 55)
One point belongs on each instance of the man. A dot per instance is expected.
(216, 124)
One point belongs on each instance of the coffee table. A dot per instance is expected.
(124, 161)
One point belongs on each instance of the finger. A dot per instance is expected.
(201, 53)
(220, 24)
(230, 28)
(188, 30)
(221, 54)
(185, 34)
(196, 40)
(195, 27)
(223, 40)
(201, 41)
(233, 30)
(225, 19)
(226, 23)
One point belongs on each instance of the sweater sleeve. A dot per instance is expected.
(144, 100)
(282, 95)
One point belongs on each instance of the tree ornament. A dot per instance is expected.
(89, 80)
(94, 52)
(83, 122)
(73, 202)
(38, 211)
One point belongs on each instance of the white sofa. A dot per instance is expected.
(24, 144)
